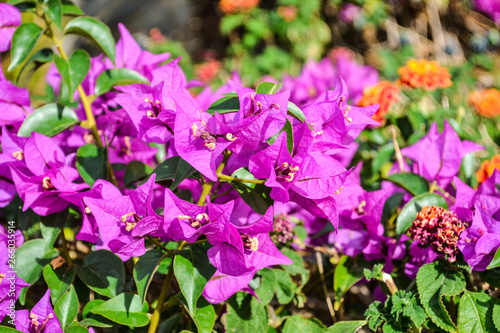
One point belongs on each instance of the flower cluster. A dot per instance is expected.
(486, 102)
(235, 6)
(384, 94)
(426, 74)
(487, 168)
(438, 228)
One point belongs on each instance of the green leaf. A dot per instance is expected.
(74, 70)
(275, 281)
(58, 280)
(496, 260)
(245, 314)
(51, 226)
(69, 8)
(125, 309)
(375, 314)
(23, 42)
(92, 319)
(5, 329)
(410, 210)
(49, 120)
(267, 88)
(433, 282)
(193, 270)
(299, 324)
(347, 273)
(412, 183)
(39, 58)
(145, 269)
(231, 22)
(205, 314)
(265, 291)
(53, 9)
(92, 163)
(134, 171)
(243, 173)
(173, 168)
(496, 316)
(76, 328)
(66, 308)
(476, 312)
(384, 155)
(90, 27)
(297, 113)
(350, 326)
(224, 105)
(102, 271)
(297, 268)
(31, 257)
(289, 136)
(117, 77)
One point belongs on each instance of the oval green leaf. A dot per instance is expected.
(102, 271)
(125, 309)
(412, 183)
(58, 280)
(224, 105)
(23, 42)
(92, 163)
(53, 9)
(410, 210)
(92, 28)
(66, 308)
(117, 77)
(144, 270)
(49, 120)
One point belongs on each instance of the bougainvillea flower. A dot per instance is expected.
(489, 7)
(384, 94)
(356, 77)
(119, 218)
(221, 286)
(364, 211)
(487, 197)
(130, 55)
(418, 257)
(246, 248)
(438, 156)
(43, 174)
(480, 241)
(144, 105)
(424, 74)
(41, 319)
(387, 249)
(487, 168)
(260, 117)
(349, 242)
(349, 13)
(123, 150)
(193, 141)
(14, 102)
(486, 102)
(8, 281)
(18, 236)
(314, 79)
(102, 189)
(10, 18)
(335, 123)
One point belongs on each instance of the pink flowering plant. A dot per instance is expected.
(137, 200)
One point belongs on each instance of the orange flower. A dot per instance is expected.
(384, 94)
(424, 74)
(288, 13)
(234, 6)
(207, 71)
(487, 102)
(487, 168)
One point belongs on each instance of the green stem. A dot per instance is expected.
(65, 249)
(234, 179)
(155, 318)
